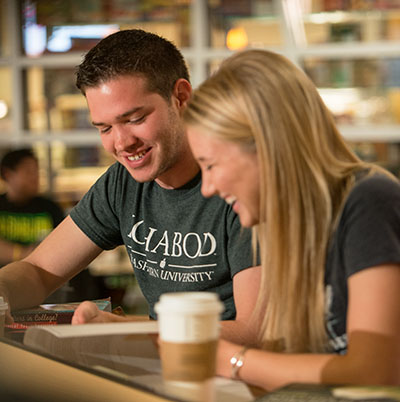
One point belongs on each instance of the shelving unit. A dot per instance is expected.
(49, 113)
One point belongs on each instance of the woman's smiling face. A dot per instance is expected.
(229, 172)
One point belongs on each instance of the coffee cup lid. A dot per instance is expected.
(189, 302)
(3, 304)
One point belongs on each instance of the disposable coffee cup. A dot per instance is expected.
(3, 309)
(188, 325)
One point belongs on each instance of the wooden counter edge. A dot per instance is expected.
(42, 377)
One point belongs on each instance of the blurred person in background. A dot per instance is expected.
(26, 217)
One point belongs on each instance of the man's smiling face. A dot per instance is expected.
(141, 129)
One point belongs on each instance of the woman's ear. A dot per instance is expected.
(182, 92)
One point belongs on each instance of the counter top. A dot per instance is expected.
(112, 367)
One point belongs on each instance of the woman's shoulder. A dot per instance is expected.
(376, 186)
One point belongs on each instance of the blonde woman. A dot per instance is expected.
(327, 227)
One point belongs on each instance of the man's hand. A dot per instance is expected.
(88, 313)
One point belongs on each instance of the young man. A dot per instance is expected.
(137, 86)
(25, 216)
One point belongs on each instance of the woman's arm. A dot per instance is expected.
(243, 329)
(373, 328)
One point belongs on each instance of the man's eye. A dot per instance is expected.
(208, 167)
(105, 130)
(137, 121)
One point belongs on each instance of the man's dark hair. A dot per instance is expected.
(12, 159)
(133, 52)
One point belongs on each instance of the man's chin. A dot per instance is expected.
(142, 177)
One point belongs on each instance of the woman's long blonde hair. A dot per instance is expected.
(260, 99)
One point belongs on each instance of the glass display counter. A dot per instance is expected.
(103, 368)
(28, 375)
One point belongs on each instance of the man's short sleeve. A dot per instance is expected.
(240, 252)
(96, 213)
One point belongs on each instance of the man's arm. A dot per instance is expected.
(243, 329)
(64, 253)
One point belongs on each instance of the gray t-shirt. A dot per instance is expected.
(176, 239)
(368, 234)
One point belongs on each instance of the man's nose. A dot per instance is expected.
(123, 138)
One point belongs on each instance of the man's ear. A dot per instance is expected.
(6, 173)
(182, 92)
